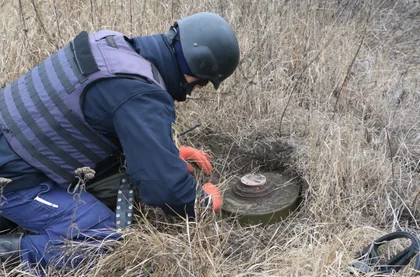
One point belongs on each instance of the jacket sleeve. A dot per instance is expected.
(143, 124)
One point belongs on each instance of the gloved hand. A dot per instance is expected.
(215, 197)
(201, 159)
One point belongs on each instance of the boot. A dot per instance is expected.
(6, 226)
(10, 249)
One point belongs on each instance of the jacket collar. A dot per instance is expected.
(157, 50)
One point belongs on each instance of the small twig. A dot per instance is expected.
(3, 183)
(403, 203)
(349, 71)
(298, 80)
(176, 9)
(22, 17)
(83, 174)
(41, 23)
(190, 129)
(56, 18)
(131, 17)
(394, 213)
(391, 154)
(25, 28)
(368, 19)
(92, 18)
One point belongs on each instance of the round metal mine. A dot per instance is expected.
(261, 198)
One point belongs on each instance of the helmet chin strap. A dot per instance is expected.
(186, 87)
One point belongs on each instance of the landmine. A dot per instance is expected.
(261, 198)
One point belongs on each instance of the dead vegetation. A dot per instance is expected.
(326, 89)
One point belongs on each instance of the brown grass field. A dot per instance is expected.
(326, 89)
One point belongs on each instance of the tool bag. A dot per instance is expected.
(105, 189)
(115, 189)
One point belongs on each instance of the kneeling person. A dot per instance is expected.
(101, 95)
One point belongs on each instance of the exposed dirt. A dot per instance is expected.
(261, 153)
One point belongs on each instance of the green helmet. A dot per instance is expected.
(209, 45)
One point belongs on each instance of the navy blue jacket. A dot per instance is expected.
(139, 115)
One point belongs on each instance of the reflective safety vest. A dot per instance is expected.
(41, 114)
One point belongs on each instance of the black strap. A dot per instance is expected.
(369, 259)
(68, 52)
(24, 141)
(171, 35)
(83, 54)
(111, 41)
(59, 70)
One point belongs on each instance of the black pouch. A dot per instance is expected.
(105, 189)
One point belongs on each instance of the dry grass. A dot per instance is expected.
(326, 89)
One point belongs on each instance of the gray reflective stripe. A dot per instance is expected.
(89, 134)
(68, 86)
(155, 73)
(63, 133)
(27, 144)
(70, 59)
(38, 132)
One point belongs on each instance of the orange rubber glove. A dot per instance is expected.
(201, 159)
(215, 196)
